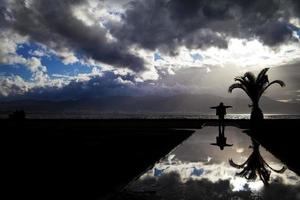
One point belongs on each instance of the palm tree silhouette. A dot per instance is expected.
(255, 165)
(254, 87)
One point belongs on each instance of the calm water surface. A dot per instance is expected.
(196, 169)
(142, 115)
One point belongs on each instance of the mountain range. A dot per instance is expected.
(177, 103)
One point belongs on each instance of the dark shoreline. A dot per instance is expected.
(92, 159)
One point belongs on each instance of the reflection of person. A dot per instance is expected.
(221, 141)
(221, 112)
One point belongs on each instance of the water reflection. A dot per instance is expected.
(221, 140)
(198, 170)
(255, 165)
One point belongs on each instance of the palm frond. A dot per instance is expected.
(251, 77)
(280, 82)
(254, 86)
(263, 81)
(244, 81)
(235, 86)
(241, 86)
(240, 79)
(261, 74)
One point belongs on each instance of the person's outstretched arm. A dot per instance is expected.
(228, 106)
(214, 107)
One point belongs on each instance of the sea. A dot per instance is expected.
(143, 115)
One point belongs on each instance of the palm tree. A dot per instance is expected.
(254, 87)
(255, 165)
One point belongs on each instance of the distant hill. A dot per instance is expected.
(177, 103)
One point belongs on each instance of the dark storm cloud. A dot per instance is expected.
(204, 23)
(274, 32)
(156, 26)
(296, 6)
(51, 22)
(151, 24)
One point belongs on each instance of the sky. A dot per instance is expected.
(145, 47)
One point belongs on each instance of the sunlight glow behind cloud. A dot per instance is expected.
(107, 36)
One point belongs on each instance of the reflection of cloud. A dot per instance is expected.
(209, 158)
(157, 172)
(206, 174)
(284, 100)
(214, 173)
(197, 171)
(170, 186)
(170, 157)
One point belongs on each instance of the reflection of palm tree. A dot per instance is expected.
(255, 165)
(254, 87)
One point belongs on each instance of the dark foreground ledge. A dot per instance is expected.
(80, 159)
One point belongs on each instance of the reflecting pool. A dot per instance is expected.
(213, 165)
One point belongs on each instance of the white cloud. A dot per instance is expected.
(151, 72)
(97, 12)
(39, 71)
(39, 53)
(13, 85)
(244, 54)
(16, 85)
(295, 21)
(34, 64)
(295, 35)
(124, 82)
(9, 42)
(67, 57)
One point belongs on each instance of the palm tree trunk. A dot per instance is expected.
(256, 113)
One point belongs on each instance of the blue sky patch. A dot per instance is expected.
(196, 56)
(197, 171)
(16, 69)
(26, 48)
(55, 66)
(157, 56)
(53, 63)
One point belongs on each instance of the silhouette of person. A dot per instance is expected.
(221, 112)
